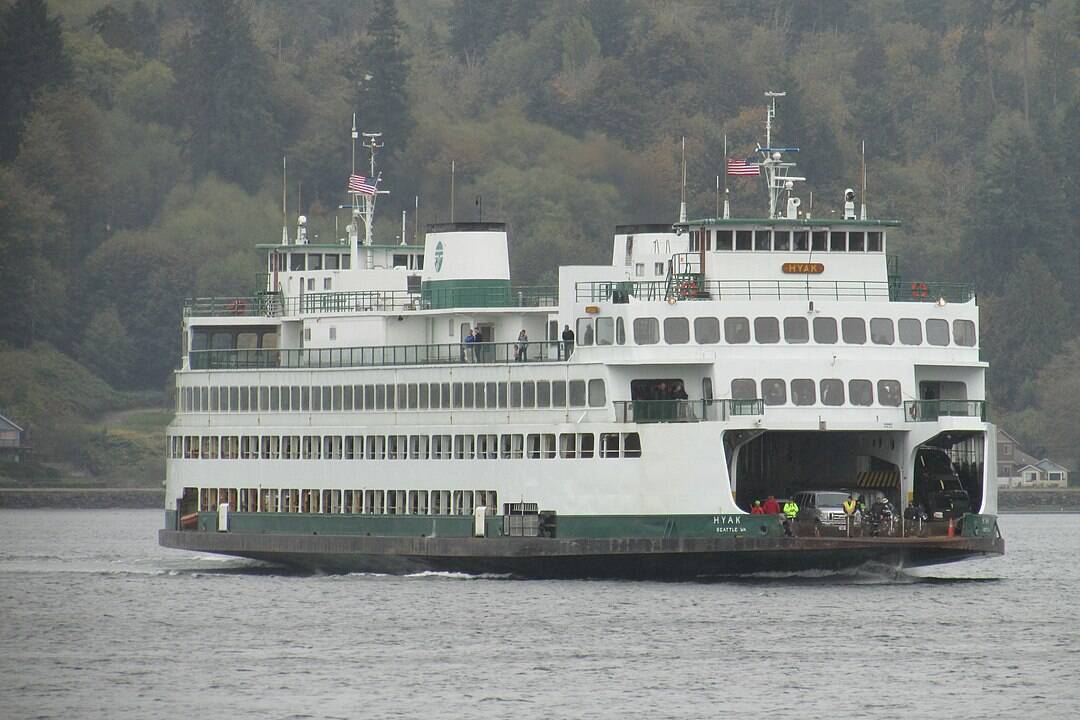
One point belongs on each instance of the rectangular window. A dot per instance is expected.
(558, 394)
(597, 393)
(314, 261)
(609, 445)
(577, 393)
(802, 241)
(856, 242)
(390, 397)
(838, 241)
(796, 330)
(639, 269)
(422, 396)
(774, 391)
(743, 240)
(910, 331)
(781, 240)
(297, 261)
(766, 330)
(819, 241)
(736, 330)
(881, 331)
(706, 330)
(658, 269)
(605, 331)
(724, 240)
(937, 332)
(444, 395)
(568, 445)
(888, 392)
(803, 391)
(503, 398)
(631, 445)
(854, 330)
(873, 242)
(832, 392)
(515, 394)
(676, 330)
(586, 445)
(825, 330)
(964, 333)
(528, 394)
(316, 399)
(762, 240)
(646, 331)
(861, 392)
(584, 331)
(543, 393)
(743, 389)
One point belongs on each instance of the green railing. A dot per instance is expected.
(653, 411)
(437, 296)
(377, 356)
(267, 305)
(931, 410)
(621, 291)
(352, 301)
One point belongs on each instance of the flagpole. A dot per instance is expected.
(717, 196)
(453, 168)
(862, 210)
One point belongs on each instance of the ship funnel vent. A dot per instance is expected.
(849, 204)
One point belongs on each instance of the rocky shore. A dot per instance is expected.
(1031, 500)
(81, 498)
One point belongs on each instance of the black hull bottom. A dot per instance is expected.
(668, 558)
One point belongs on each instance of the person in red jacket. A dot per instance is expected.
(771, 506)
(757, 509)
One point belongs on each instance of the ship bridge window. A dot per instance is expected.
(964, 333)
(781, 240)
(855, 242)
(331, 261)
(832, 392)
(803, 391)
(314, 262)
(605, 331)
(346, 261)
(558, 394)
(724, 239)
(854, 330)
(881, 331)
(736, 330)
(585, 331)
(676, 330)
(774, 391)
(762, 240)
(743, 389)
(766, 330)
(825, 330)
(819, 241)
(743, 240)
(706, 330)
(861, 392)
(796, 330)
(937, 332)
(888, 392)
(910, 331)
(873, 242)
(646, 331)
(802, 241)
(543, 393)
(297, 261)
(221, 341)
(837, 241)
(528, 394)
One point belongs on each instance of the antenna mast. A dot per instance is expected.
(776, 169)
(682, 195)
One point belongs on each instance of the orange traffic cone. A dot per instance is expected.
(952, 528)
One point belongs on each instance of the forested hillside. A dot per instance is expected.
(141, 147)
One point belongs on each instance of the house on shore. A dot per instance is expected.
(13, 447)
(1017, 468)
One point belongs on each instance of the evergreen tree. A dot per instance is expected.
(32, 57)
(225, 96)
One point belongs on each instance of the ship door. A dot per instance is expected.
(487, 334)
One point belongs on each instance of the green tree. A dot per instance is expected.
(380, 73)
(106, 347)
(224, 95)
(32, 57)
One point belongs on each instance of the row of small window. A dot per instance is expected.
(485, 446)
(766, 330)
(788, 240)
(400, 396)
(349, 502)
(804, 391)
(300, 261)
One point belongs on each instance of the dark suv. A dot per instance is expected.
(937, 486)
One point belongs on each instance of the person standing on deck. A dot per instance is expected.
(791, 511)
(521, 350)
(469, 340)
(568, 342)
(757, 509)
(849, 510)
(771, 506)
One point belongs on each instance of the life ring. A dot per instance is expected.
(919, 290)
(238, 307)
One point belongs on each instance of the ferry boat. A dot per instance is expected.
(400, 408)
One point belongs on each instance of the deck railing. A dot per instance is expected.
(608, 291)
(931, 410)
(377, 356)
(653, 411)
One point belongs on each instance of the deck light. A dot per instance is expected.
(940, 302)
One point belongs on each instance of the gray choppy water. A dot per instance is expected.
(96, 621)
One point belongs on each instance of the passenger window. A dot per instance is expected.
(937, 332)
(743, 389)
(796, 330)
(723, 240)
(597, 395)
(543, 394)
(873, 241)
(819, 241)
(605, 331)
(964, 333)
(736, 330)
(854, 330)
(837, 241)
(762, 240)
(855, 242)
(528, 394)
(802, 241)
(676, 330)
(803, 391)
(620, 331)
(558, 394)
(888, 392)
(766, 330)
(782, 240)
(825, 330)
(832, 392)
(774, 391)
(646, 331)
(577, 393)
(881, 331)
(742, 240)
(584, 331)
(910, 331)
(861, 392)
(706, 330)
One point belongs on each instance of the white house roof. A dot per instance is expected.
(7, 421)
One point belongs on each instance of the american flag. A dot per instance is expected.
(360, 184)
(740, 167)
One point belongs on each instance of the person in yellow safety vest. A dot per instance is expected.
(791, 509)
(849, 509)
